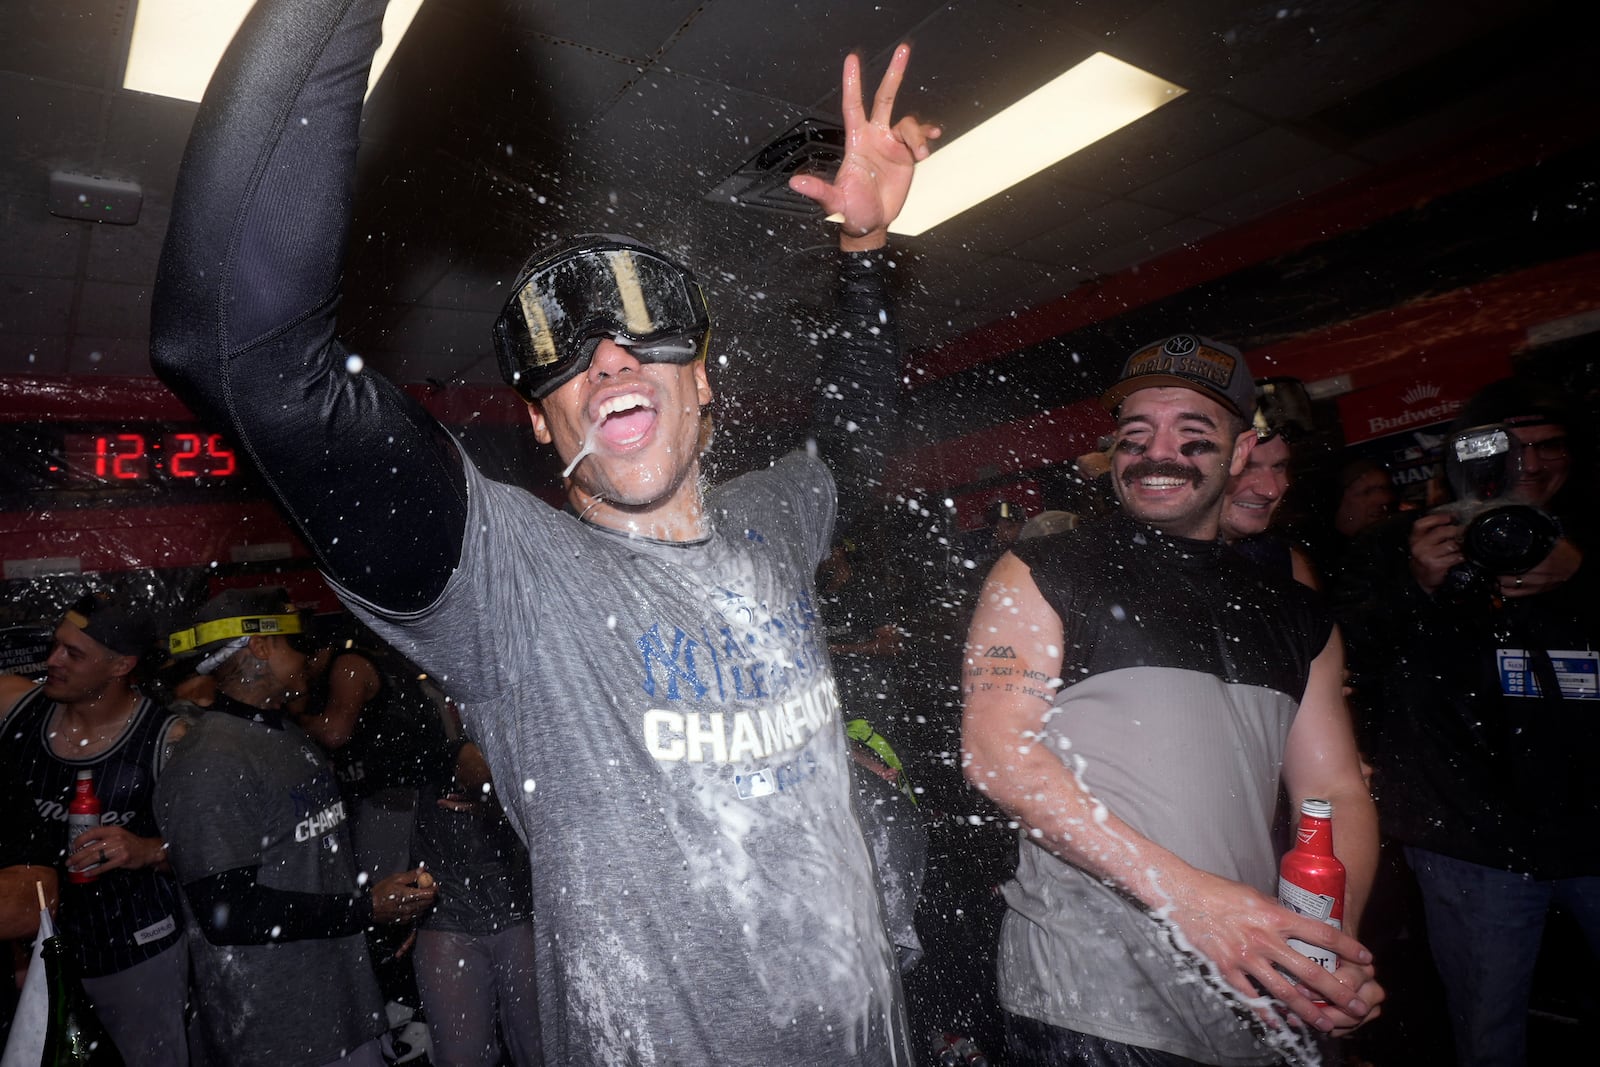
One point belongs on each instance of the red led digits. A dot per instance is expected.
(115, 458)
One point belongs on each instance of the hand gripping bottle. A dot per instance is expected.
(1311, 878)
(83, 814)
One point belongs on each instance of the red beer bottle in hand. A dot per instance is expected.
(1311, 878)
(83, 814)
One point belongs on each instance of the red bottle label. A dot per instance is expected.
(1311, 883)
(83, 814)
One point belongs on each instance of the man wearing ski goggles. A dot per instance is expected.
(582, 642)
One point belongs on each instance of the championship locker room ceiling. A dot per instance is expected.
(1330, 160)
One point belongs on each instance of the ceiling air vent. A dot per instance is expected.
(762, 181)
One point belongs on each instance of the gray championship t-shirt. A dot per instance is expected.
(238, 793)
(664, 732)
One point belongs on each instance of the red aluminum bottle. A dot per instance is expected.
(83, 814)
(1311, 878)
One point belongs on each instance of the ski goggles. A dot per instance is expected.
(594, 288)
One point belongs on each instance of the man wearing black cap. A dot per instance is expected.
(644, 670)
(1481, 681)
(119, 904)
(258, 836)
(1133, 690)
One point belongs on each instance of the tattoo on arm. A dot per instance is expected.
(997, 670)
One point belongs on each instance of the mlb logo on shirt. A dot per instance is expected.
(755, 784)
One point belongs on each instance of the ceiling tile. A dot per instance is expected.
(791, 51)
(107, 309)
(35, 241)
(1113, 223)
(1261, 159)
(1190, 128)
(36, 305)
(78, 41)
(1286, 189)
(1149, 245)
(46, 126)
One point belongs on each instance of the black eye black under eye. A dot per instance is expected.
(1130, 448)
(1198, 448)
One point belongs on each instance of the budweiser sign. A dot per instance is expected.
(1413, 403)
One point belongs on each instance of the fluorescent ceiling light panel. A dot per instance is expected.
(1095, 98)
(175, 44)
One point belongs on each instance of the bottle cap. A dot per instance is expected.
(1317, 809)
(84, 776)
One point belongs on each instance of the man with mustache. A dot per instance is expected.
(1133, 692)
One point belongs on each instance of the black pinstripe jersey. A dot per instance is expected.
(122, 917)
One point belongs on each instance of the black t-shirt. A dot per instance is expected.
(399, 738)
(1186, 604)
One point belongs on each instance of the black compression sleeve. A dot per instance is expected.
(857, 411)
(232, 908)
(244, 307)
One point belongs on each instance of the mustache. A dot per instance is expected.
(1161, 468)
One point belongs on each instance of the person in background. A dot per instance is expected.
(385, 737)
(1133, 690)
(119, 903)
(1480, 695)
(475, 948)
(1005, 521)
(1251, 502)
(258, 839)
(1366, 498)
(368, 711)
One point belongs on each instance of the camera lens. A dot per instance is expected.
(1510, 539)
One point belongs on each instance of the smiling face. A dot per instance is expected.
(634, 430)
(81, 669)
(1544, 460)
(1254, 493)
(1174, 450)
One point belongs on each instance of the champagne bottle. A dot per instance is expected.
(74, 1036)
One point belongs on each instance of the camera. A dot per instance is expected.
(1501, 534)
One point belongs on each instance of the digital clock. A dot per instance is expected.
(98, 459)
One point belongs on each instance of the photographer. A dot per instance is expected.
(1478, 672)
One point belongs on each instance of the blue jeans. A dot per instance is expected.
(1485, 927)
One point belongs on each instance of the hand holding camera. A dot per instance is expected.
(1491, 539)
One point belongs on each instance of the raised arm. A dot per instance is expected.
(1242, 933)
(857, 412)
(243, 320)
